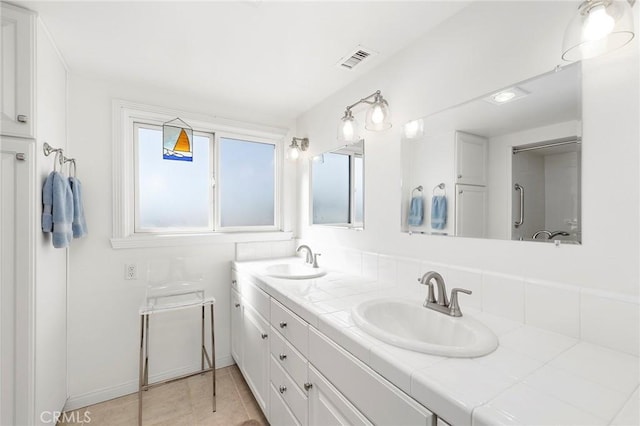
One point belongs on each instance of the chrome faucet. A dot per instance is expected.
(309, 258)
(550, 235)
(441, 304)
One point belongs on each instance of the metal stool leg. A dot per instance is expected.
(202, 341)
(213, 358)
(141, 368)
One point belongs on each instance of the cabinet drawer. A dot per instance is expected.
(295, 398)
(368, 391)
(289, 358)
(251, 294)
(280, 413)
(291, 326)
(327, 406)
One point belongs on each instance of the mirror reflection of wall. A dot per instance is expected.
(337, 187)
(470, 149)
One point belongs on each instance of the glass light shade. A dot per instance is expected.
(378, 115)
(348, 131)
(294, 152)
(599, 27)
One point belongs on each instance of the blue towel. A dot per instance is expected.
(62, 211)
(416, 211)
(438, 211)
(79, 224)
(47, 203)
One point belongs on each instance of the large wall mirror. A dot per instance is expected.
(506, 165)
(337, 187)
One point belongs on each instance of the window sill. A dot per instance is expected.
(175, 240)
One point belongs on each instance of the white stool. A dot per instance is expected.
(167, 297)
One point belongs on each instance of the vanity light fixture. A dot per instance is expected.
(599, 27)
(294, 148)
(378, 118)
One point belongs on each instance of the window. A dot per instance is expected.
(232, 184)
(337, 187)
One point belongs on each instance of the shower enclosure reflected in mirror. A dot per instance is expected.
(337, 187)
(505, 166)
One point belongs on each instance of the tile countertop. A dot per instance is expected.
(535, 377)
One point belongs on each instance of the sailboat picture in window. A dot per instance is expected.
(177, 141)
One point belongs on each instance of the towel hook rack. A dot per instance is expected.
(417, 188)
(59, 158)
(439, 186)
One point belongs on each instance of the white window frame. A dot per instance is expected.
(212, 179)
(277, 191)
(124, 235)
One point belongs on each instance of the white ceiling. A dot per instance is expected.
(278, 57)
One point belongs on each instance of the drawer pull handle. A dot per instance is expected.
(237, 305)
(264, 335)
(22, 118)
(283, 324)
(282, 357)
(282, 389)
(308, 386)
(234, 282)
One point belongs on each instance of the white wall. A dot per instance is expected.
(51, 263)
(486, 46)
(103, 307)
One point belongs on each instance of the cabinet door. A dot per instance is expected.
(236, 327)
(280, 415)
(471, 209)
(17, 71)
(471, 159)
(255, 357)
(328, 407)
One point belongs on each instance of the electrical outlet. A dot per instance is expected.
(130, 272)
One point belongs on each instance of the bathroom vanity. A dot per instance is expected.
(308, 363)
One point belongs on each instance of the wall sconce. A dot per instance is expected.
(294, 148)
(378, 118)
(599, 27)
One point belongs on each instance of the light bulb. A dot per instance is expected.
(377, 116)
(598, 24)
(504, 96)
(294, 153)
(413, 129)
(347, 130)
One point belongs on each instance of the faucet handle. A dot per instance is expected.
(454, 307)
(431, 297)
(315, 260)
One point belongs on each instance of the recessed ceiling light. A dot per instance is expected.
(506, 95)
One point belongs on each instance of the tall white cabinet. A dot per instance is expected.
(33, 86)
(17, 83)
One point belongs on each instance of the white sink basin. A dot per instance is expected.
(411, 326)
(294, 271)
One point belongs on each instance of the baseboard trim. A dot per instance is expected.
(94, 397)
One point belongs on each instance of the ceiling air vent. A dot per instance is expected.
(355, 58)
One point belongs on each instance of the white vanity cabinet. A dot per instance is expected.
(305, 379)
(250, 337)
(17, 71)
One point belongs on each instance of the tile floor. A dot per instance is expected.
(184, 402)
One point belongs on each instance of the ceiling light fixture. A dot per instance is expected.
(506, 95)
(599, 27)
(294, 148)
(378, 118)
